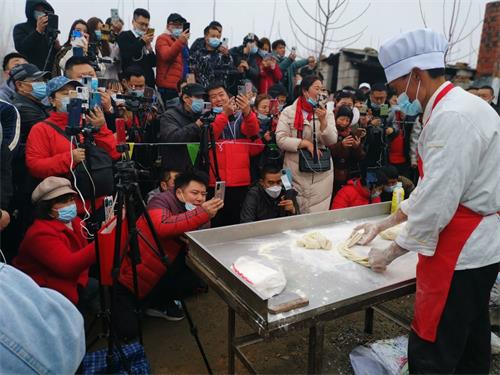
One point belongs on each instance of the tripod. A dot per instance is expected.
(208, 143)
(52, 41)
(129, 196)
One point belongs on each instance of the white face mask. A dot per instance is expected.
(274, 191)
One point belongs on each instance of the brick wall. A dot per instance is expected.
(488, 62)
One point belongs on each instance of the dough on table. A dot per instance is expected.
(390, 234)
(345, 249)
(314, 240)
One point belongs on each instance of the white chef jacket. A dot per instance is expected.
(460, 150)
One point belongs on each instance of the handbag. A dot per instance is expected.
(101, 169)
(307, 163)
(306, 159)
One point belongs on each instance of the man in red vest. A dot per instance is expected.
(453, 220)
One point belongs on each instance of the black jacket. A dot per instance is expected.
(178, 126)
(31, 112)
(29, 42)
(132, 53)
(197, 45)
(258, 205)
(253, 72)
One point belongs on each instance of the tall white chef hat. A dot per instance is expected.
(422, 48)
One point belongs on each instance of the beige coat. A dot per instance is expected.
(314, 189)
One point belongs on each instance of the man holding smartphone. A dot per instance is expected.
(136, 46)
(172, 56)
(31, 37)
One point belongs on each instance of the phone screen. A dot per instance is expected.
(114, 15)
(384, 110)
(186, 26)
(242, 90)
(74, 112)
(150, 31)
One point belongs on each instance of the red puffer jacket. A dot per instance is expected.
(48, 152)
(351, 195)
(56, 256)
(170, 222)
(268, 77)
(169, 64)
(233, 155)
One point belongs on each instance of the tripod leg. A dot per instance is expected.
(194, 332)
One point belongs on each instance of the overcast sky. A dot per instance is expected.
(383, 19)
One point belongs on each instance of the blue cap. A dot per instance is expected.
(57, 83)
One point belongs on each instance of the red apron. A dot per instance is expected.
(434, 273)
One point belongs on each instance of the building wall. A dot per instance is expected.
(488, 61)
(348, 75)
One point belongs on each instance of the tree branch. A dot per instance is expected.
(350, 21)
(308, 14)
(422, 13)
(297, 25)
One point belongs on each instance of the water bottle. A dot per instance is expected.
(398, 195)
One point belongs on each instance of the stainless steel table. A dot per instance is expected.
(334, 285)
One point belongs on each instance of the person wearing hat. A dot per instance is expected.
(365, 88)
(246, 58)
(30, 85)
(348, 150)
(54, 251)
(269, 72)
(48, 149)
(182, 124)
(172, 56)
(452, 216)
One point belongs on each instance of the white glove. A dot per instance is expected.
(371, 230)
(379, 259)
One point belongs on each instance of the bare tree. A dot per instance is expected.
(328, 20)
(454, 28)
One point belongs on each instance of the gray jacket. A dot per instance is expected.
(178, 126)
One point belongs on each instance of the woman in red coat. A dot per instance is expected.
(54, 251)
(49, 152)
(269, 72)
(357, 192)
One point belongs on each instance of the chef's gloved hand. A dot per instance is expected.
(371, 230)
(379, 259)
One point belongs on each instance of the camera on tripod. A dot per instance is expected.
(136, 103)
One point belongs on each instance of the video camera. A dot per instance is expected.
(136, 103)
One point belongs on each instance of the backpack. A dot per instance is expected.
(101, 169)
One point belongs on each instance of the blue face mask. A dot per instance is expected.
(67, 214)
(98, 34)
(217, 110)
(64, 105)
(197, 105)
(214, 42)
(413, 108)
(262, 117)
(254, 50)
(138, 93)
(375, 105)
(189, 206)
(176, 33)
(39, 90)
(139, 32)
(312, 102)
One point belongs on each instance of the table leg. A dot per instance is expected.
(369, 320)
(315, 360)
(231, 332)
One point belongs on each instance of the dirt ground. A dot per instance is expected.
(171, 349)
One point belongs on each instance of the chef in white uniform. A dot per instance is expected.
(453, 220)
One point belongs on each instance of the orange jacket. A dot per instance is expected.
(169, 64)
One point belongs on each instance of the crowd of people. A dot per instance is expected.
(257, 111)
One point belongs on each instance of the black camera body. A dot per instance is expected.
(135, 103)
